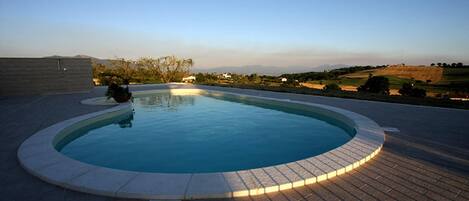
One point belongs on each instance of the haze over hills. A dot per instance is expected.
(249, 69)
(267, 70)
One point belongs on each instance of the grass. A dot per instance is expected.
(427, 101)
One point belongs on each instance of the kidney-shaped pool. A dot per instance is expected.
(205, 132)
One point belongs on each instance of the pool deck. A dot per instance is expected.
(427, 160)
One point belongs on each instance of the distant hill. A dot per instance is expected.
(250, 69)
(267, 70)
(93, 59)
(422, 73)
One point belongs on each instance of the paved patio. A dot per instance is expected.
(427, 160)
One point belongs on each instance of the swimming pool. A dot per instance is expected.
(205, 133)
(103, 152)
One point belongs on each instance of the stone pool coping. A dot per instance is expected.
(38, 156)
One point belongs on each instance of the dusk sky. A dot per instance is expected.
(239, 33)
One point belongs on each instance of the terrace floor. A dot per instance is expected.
(427, 160)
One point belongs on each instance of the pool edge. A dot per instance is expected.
(38, 156)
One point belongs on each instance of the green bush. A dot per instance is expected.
(375, 84)
(408, 89)
(332, 87)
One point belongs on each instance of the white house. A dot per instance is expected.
(226, 75)
(188, 79)
(283, 79)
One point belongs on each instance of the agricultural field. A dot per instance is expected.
(436, 80)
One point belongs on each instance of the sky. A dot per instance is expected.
(241, 32)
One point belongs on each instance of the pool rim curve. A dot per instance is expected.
(39, 157)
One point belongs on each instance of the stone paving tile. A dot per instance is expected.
(386, 188)
(292, 195)
(334, 189)
(277, 196)
(324, 193)
(428, 182)
(356, 192)
(441, 176)
(306, 193)
(370, 187)
(395, 183)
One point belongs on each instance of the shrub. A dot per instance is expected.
(375, 84)
(290, 83)
(408, 89)
(120, 94)
(331, 87)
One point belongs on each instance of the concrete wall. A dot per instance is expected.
(27, 76)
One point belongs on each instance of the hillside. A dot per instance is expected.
(422, 73)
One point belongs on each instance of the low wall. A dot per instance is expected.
(28, 76)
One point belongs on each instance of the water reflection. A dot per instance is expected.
(126, 122)
(167, 101)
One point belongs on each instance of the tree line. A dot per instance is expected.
(452, 65)
(144, 70)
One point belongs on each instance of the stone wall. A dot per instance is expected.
(28, 76)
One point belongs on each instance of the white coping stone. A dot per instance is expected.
(265, 180)
(254, 186)
(342, 163)
(99, 101)
(66, 170)
(36, 163)
(353, 155)
(328, 166)
(328, 171)
(307, 177)
(282, 181)
(343, 157)
(361, 146)
(291, 175)
(102, 181)
(209, 185)
(236, 184)
(320, 174)
(38, 156)
(391, 129)
(155, 186)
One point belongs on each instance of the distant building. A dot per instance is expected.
(226, 75)
(283, 79)
(188, 79)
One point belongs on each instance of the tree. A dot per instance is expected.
(331, 87)
(459, 65)
(123, 68)
(98, 69)
(438, 64)
(376, 84)
(453, 65)
(433, 64)
(408, 89)
(151, 67)
(173, 69)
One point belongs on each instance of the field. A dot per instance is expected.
(436, 80)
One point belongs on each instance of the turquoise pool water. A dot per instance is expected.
(194, 133)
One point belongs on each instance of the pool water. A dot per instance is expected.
(195, 133)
